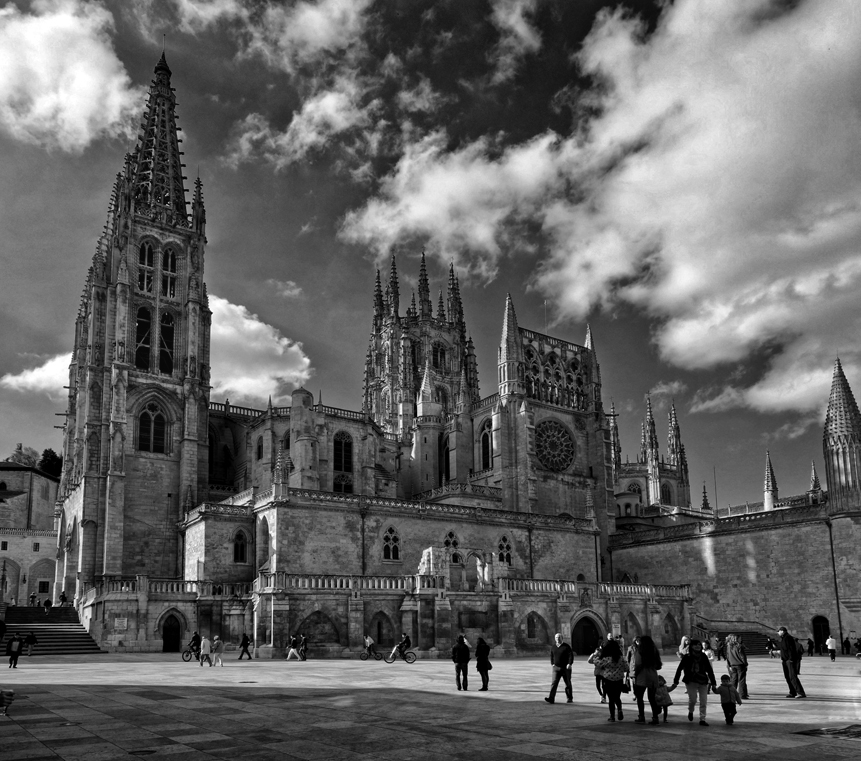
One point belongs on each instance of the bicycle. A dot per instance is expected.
(363, 656)
(188, 654)
(409, 656)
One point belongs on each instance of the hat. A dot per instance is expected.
(782, 629)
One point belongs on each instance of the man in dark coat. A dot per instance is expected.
(561, 658)
(13, 649)
(460, 656)
(790, 656)
(243, 646)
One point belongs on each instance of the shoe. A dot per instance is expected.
(639, 720)
(790, 696)
(620, 714)
(703, 723)
(690, 715)
(612, 718)
(548, 700)
(466, 689)
(603, 699)
(482, 689)
(459, 689)
(570, 700)
(665, 719)
(798, 697)
(654, 721)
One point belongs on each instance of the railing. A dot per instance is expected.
(222, 488)
(27, 532)
(349, 414)
(717, 624)
(220, 508)
(538, 585)
(622, 589)
(285, 580)
(797, 500)
(488, 401)
(481, 474)
(459, 488)
(231, 409)
(215, 589)
(533, 335)
(172, 586)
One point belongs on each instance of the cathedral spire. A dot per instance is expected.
(394, 290)
(704, 505)
(841, 445)
(674, 438)
(425, 307)
(378, 295)
(158, 182)
(509, 362)
(588, 343)
(769, 488)
(198, 212)
(440, 309)
(814, 478)
(411, 312)
(615, 441)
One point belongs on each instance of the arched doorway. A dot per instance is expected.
(821, 631)
(585, 636)
(171, 632)
(381, 629)
(670, 636)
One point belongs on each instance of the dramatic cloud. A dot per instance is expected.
(664, 392)
(285, 288)
(517, 36)
(46, 379)
(250, 359)
(63, 85)
(322, 117)
(717, 189)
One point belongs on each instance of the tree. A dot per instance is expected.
(24, 456)
(51, 463)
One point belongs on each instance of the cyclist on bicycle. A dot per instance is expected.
(402, 646)
(194, 645)
(369, 646)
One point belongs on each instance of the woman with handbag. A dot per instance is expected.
(614, 669)
(646, 664)
(482, 662)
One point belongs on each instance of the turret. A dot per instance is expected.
(510, 361)
(615, 442)
(704, 505)
(842, 445)
(769, 489)
(394, 290)
(425, 308)
(814, 493)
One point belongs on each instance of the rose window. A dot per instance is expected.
(555, 445)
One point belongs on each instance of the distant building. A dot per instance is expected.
(28, 541)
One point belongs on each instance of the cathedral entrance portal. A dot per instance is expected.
(585, 636)
(171, 632)
(821, 631)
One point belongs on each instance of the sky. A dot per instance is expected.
(684, 177)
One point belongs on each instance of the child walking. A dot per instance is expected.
(599, 677)
(729, 698)
(662, 696)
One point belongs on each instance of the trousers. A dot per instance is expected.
(565, 675)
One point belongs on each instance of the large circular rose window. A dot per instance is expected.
(554, 445)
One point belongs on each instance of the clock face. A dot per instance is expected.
(554, 445)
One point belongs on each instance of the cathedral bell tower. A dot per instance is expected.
(135, 440)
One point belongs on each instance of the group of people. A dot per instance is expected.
(212, 652)
(831, 646)
(298, 647)
(15, 647)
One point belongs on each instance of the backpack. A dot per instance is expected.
(799, 648)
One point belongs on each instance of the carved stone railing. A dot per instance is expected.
(231, 409)
(27, 532)
(488, 401)
(317, 582)
(220, 508)
(555, 586)
(143, 584)
(336, 412)
(478, 490)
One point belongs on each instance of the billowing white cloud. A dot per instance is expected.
(62, 85)
(322, 117)
(285, 288)
(718, 189)
(517, 36)
(46, 379)
(664, 392)
(250, 359)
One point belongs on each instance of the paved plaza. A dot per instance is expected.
(94, 708)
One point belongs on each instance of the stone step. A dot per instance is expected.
(58, 633)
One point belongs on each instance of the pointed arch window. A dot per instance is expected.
(259, 448)
(145, 267)
(391, 544)
(486, 445)
(505, 551)
(451, 542)
(165, 347)
(240, 547)
(143, 339)
(342, 463)
(666, 495)
(168, 274)
(636, 489)
(152, 429)
(438, 357)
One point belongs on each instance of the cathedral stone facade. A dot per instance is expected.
(429, 510)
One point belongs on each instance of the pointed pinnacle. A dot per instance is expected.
(814, 478)
(770, 480)
(589, 337)
(843, 417)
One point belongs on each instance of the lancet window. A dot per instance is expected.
(504, 551)
(152, 429)
(438, 356)
(451, 542)
(168, 274)
(145, 267)
(165, 349)
(240, 548)
(666, 495)
(143, 339)
(486, 445)
(342, 463)
(391, 544)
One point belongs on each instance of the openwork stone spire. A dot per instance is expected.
(157, 179)
(842, 445)
(843, 417)
(769, 488)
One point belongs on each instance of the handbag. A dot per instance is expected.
(489, 666)
(626, 685)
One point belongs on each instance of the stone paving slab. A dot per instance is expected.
(101, 708)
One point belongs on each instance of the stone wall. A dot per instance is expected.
(768, 568)
(30, 554)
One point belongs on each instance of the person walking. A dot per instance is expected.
(790, 656)
(205, 650)
(63, 599)
(644, 663)
(736, 659)
(614, 669)
(243, 646)
(684, 646)
(31, 642)
(595, 659)
(729, 699)
(482, 663)
(32, 599)
(217, 651)
(810, 645)
(847, 645)
(460, 657)
(303, 648)
(662, 697)
(831, 646)
(561, 658)
(13, 649)
(695, 670)
(293, 648)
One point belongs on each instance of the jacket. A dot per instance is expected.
(789, 648)
(696, 668)
(728, 694)
(561, 656)
(612, 672)
(13, 646)
(482, 655)
(460, 653)
(736, 655)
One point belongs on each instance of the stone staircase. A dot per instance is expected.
(58, 633)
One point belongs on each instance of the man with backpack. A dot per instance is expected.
(790, 655)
